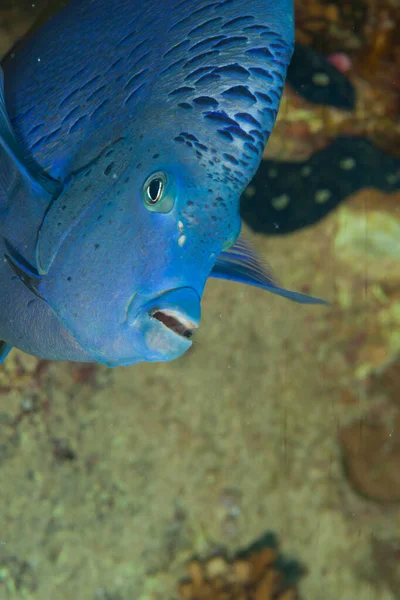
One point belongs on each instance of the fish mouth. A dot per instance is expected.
(175, 322)
(166, 323)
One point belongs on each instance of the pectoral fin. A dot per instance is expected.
(4, 350)
(26, 190)
(24, 272)
(15, 168)
(241, 263)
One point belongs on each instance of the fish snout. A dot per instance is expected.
(166, 324)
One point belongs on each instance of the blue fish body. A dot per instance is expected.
(127, 137)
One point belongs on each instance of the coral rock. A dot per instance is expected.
(368, 236)
(254, 577)
(372, 457)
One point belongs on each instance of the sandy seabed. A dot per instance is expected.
(111, 482)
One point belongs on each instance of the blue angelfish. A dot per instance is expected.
(127, 136)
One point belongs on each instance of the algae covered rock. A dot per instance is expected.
(367, 236)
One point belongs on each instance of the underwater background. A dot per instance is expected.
(264, 463)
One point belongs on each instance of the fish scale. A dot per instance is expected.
(131, 134)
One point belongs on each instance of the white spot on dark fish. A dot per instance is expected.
(322, 196)
(280, 202)
(347, 163)
(320, 79)
(250, 191)
(393, 177)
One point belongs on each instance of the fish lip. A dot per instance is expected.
(168, 301)
(165, 322)
(174, 321)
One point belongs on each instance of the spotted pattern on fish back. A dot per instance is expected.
(88, 95)
(227, 74)
(220, 67)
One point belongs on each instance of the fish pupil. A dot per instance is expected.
(154, 190)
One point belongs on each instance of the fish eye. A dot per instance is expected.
(154, 188)
(159, 192)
